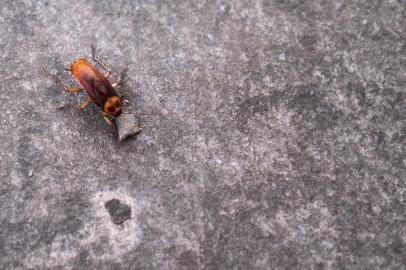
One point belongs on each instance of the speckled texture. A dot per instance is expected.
(283, 144)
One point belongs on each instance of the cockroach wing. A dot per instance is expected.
(99, 89)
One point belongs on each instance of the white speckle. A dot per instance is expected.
(282, 57)
(26, 85)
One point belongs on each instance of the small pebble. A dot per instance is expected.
(119, 212)
(127, 125)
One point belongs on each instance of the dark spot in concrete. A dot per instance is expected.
(118, 211)
(309, 41)
(260, 104)
(83, 259)
(320, 266)
(356, 89)
(311, 108)
(188, 260)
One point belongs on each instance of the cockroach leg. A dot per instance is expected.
(107, 74)
(85, 104)
(107, 119)
(74, 90)
(70, 90)
(58, 81)
(81, 106)
(120, 78)
(119, 83)
(123, 100)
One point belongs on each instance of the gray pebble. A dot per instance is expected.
(127, 125)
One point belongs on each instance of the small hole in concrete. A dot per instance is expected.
(119, 212)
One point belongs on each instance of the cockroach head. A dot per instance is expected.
(113, 106)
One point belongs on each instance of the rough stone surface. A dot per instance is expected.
(127, 125)
(285, 148)
(118, 211)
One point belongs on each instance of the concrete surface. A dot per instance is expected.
(283, 144)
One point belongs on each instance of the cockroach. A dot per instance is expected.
(97, 86)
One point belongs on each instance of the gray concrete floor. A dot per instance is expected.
(282, 144)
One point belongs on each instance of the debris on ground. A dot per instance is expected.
(127, 125)
(118, 211)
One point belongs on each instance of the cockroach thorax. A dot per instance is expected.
(113, 106)
(77, 63)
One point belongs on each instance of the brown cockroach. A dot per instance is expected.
(99, 90)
